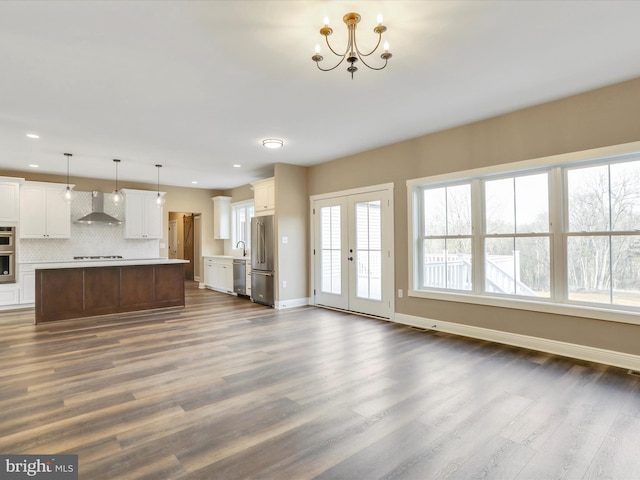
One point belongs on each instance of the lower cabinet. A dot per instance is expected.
(9, 294)
(27, 283)
(218, 274)
(81, 292)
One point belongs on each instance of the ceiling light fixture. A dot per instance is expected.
(272, 143)
(68, 193)
(33, 135)
(159, 198)
(116, 195)
(352, 53)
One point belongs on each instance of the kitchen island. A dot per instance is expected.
(86, 288)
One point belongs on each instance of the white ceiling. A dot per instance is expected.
(196, 85)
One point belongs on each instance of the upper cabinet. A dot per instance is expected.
(43, 211)
(264, 197)
(221, 218)
(143, 216)
(10, 199)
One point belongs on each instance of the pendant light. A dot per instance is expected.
(159, 198)
(68, 193)
(116, 195)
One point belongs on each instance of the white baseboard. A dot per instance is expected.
(582, 352)
(296, 302)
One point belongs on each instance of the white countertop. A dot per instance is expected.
(116, 262)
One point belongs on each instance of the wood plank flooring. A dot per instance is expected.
(228, 389)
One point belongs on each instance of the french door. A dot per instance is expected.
(353, 257)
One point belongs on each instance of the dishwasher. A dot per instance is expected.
(240, 277)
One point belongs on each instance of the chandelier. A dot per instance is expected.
(352, 53)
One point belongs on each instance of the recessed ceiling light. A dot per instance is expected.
(237, 165)
(272, 142)
(33, 165)
(33, 135)
(194, 182)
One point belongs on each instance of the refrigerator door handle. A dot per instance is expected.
(266, 274)
(262, 248)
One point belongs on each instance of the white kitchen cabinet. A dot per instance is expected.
(143, 216)
(9, 294)
(10, 199)
(43, 211)
(221, 217)
(218, 274)
(264, 199)
(27, 275)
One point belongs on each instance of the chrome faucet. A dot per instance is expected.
(244, 248)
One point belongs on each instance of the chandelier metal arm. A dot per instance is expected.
(334, 67)
(336, 53)
(374, 68)
(360, 54)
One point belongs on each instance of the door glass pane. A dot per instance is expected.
(368, 255)
(330, 251)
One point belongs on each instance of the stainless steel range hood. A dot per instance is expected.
(97, 214)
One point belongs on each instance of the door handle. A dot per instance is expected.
(265, 274)
(350, 259)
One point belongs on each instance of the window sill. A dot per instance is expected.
(607, 314)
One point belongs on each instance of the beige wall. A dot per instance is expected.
(599, 118)
(292, 213)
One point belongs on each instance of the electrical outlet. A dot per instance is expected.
(400, 293)
(284, 284)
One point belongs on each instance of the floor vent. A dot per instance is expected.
(419, 329)
(635, 373)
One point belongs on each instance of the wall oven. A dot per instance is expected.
(7, 255)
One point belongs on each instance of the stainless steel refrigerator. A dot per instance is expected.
(262, 260)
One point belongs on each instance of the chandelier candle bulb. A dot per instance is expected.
(379, 19)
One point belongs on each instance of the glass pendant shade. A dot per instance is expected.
(159, 197)
(68, 193)
(116, 196)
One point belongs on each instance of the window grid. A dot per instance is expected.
(611, 246)
(241, 215)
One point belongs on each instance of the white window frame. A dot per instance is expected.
(250, 212)
(558, 302)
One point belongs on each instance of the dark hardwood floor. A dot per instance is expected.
(228, 389)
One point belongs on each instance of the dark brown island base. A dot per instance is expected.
(76, 289)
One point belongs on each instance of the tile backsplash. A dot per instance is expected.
(88, 240)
